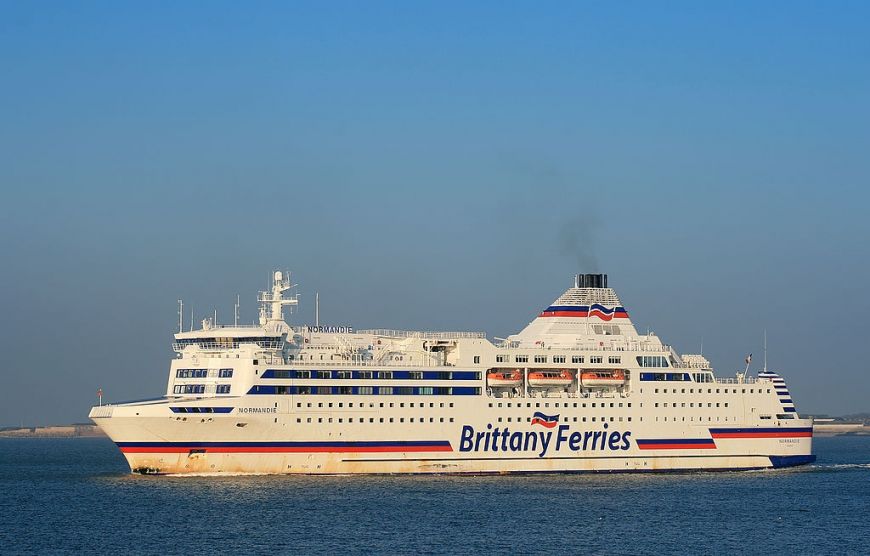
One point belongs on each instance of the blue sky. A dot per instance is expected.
(430, 165)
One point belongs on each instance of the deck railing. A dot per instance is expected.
(428, 335)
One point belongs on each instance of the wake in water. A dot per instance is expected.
(838, 466)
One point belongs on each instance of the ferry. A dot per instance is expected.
(577, 390)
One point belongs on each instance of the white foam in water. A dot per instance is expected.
(844, 466)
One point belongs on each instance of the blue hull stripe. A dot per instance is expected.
(764, 429)
(790, 461)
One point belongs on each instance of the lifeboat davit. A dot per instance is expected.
(550, 379)
(598, 379)
(504, 378)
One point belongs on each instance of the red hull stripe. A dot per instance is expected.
(676, 444)
(705, 446)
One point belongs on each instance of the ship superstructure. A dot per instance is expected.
(578, 389)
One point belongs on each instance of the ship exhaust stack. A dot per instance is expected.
(590, 281)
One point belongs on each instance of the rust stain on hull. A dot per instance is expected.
(338, 464)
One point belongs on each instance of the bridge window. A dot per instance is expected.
(223, 389)
(191, 373)
(189, 389)
(577, 359)
(652, 361)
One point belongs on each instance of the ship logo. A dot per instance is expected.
(595, 310)
(548, 421)
(602, 312)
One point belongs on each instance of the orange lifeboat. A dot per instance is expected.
(507, 379)
(550, 379)
(600, 379)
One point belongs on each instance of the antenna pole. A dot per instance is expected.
(214, 322)
(236, 312)
(765, 350)
(317, 309)
(191, 319)
(180, 316)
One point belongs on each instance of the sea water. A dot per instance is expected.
(77, 495)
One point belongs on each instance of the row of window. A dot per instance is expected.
(700, 419)
(691, 404)
(191, 373)
(266, 342)
(334, 356)
(370, 404)
(564, 404)
(202, 373)
(362, 420)
(652, 361)
(679, 377)
(199, 389)
(710, 390)
(380, 375)
(566, 419)
(422, 420)
(197, 409)
(189, 389)
(575, 359)
(368, 390)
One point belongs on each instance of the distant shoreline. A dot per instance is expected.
(841, 429)
(54, 431)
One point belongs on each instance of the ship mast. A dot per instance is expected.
(272, 302)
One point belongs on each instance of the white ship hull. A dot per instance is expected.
(214, 443)
(328, 400)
